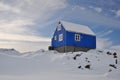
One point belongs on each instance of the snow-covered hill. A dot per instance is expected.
(51, 65)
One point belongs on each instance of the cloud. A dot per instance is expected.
(33, 10)
(103, 43)
(15, 26)
(5, 7)
(16, 37)
(104, 33)
(31, 14)
(78, 8)
(20, 20)
(97, 9)
(41, 9)
(118, 13)
(90, 17)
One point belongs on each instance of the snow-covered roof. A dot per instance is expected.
(77, 28)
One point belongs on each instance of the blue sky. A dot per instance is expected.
(28, 25)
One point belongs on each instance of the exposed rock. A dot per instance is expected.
(87, 66)
(112, 65)
(77, 55)
(79, 67)
(109, 53)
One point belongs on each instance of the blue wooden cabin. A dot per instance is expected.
(70, 37)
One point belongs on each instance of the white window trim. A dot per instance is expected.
(60, 37)
(77, 37)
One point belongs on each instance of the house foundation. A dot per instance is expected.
(71, 49)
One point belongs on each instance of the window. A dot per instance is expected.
(59, 27)
(77, 37)
(60, 37)
(55, 38)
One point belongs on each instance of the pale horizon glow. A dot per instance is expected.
(16, 37)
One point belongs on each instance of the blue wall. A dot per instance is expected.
(57, 43)
(87, 41)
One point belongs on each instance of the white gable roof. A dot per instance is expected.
(77, 28)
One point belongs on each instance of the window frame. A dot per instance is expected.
(77, 37)
(60, 37)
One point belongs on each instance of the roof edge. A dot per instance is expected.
(92, 33)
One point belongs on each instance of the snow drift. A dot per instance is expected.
(41, 64)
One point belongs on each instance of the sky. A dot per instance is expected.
(28, 25)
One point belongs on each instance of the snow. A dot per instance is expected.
(51, 65)
(77, 28)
